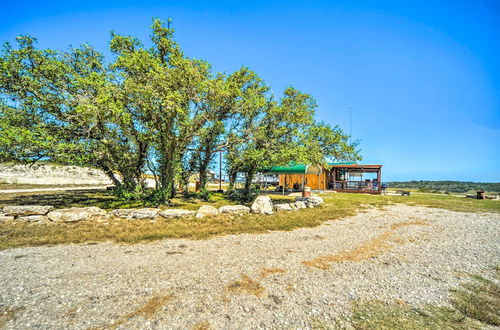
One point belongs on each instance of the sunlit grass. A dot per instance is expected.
(125, 231)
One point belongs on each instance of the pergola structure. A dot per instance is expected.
(349, 178)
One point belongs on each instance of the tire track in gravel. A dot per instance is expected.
(372, 248)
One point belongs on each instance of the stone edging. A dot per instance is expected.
(47, 213)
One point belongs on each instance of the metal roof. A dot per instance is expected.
(301, 168)
(356, 166)
(342, 163)
(292, 169)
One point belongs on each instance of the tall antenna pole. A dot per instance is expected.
(350, 123)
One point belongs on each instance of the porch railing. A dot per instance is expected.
(354, 185)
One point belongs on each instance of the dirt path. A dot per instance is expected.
(276, 280)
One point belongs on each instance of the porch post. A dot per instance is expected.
(284, 184)
(379, 179)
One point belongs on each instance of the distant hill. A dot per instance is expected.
(447, 186)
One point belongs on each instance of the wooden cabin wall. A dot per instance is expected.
(314, 181)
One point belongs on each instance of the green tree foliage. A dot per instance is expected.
(152, 109)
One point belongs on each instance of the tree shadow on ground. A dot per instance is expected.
(74, 198)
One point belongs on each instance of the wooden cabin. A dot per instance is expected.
(298, 176)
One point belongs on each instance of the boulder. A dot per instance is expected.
(76, 214)
(282, 207)
(133, 214)
(4, 217)
(262, 205)
(310, 201)
(234, 209)
(33, 218)
(316, 200)
(206, 210)
(299, 205)
(21, 210)
(177, 213)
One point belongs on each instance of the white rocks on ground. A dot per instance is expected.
(4, 217)
(262, 205)
(234, 209)
(310, 202)
(206, 210)
(177, 213)
(299, 205)
(134, 214)
(77, 214)
(20, 210)
(33, 218)
(282, 207)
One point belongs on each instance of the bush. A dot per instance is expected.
(137, 193)
(239, 195)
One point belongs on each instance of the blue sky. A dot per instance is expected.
(422, 77)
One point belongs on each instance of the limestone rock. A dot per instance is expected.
(33, 218)
(316, 200)
(299, 205)
(234, 209)
(282, 207)
(21, 210)
(177, 213)
(262, 205)
(76, 214)
(132, 214)
(206, 210)
(310, 201)
(4, 217)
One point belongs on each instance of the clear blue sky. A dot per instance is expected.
(422, 77)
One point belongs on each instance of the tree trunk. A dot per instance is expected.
(167, 176)
(203, 174)
(248, 183)
(101, 164)
(232, 179)
(111, 175)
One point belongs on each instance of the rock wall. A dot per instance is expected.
(52, 175)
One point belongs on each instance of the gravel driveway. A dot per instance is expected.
(275, 280)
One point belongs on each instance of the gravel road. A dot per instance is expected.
(275, 280)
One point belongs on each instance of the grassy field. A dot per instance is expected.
(336, 206)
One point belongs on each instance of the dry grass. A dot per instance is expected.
(376, 314)
(148, 310)
(480, 299)
(265, 272)
(6, 314)
(476, 306)
(13, 235)
(202, 326)
(418, 222)
(247, 285)
(19, 234)
(372, 248)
